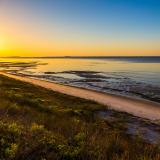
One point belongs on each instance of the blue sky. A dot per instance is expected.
(88, 21)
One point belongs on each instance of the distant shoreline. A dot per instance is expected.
(137, 59)
(81, 57)
(138, 107)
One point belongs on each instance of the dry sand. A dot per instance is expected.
(138, 107)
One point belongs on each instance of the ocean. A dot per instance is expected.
(129, 76)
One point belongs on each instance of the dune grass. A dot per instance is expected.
(39, 124)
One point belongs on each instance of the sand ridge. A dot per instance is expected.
(138, 107)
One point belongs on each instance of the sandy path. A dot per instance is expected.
(137, 107)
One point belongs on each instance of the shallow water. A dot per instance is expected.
(138, 77)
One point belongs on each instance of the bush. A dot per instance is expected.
(9, 139)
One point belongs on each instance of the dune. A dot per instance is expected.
(135, 106)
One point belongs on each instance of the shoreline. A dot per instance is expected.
(137, 107)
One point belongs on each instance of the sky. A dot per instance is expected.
(79, 27)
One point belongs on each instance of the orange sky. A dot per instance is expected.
(18, 41)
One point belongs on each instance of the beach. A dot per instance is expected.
(135, 106)
(79, 80)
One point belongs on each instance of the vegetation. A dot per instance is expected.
(39, 124)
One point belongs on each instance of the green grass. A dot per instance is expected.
(39, 124)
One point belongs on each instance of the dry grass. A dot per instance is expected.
(38, 124)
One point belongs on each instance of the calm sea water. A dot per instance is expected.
(135, 76)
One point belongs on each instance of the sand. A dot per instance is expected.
(138, 107)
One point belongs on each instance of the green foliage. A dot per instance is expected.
(11, 151)
(9, 137)
(39, 124)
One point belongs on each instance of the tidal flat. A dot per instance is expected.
(133, 77)
(36, 123)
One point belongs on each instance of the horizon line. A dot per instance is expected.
(75, 56)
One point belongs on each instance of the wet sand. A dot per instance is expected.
(138, 107)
